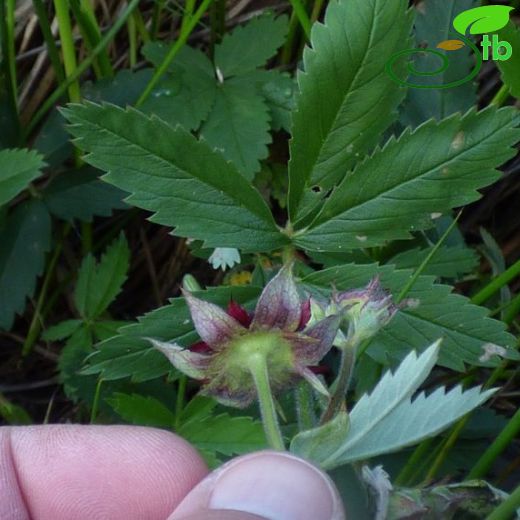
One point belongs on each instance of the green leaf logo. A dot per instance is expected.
(486, 19)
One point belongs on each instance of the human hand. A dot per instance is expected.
(70, 472)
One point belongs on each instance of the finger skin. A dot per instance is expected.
(223, 514)
(65, 472)
(269, 484)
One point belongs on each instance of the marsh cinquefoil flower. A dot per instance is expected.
(242, 355)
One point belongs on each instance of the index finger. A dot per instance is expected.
(77, 472)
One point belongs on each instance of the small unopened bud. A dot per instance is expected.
(365, 310)
(190, 283)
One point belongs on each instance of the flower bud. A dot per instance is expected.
(365, 310)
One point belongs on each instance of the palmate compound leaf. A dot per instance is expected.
(17, 169)
(182, 180)
(466, 329)
(389, 419)
(346, 99)
(412, 179)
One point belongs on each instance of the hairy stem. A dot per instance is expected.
(258, 368)
(348, 358)
(496, 448)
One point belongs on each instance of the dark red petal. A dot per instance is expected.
(201, 348)
(320, 369)
(239, 313)
(305, 315)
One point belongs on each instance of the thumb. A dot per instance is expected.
(266, 485)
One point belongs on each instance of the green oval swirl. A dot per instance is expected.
(444, 65)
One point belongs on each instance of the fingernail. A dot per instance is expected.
(277, 486)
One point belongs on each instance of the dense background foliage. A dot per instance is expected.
(89, 268)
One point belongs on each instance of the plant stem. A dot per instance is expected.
(405, 475)
(179, 404)
(56, 95)
(132, 39)
(258, 369)
(7, 33)
(52, 49)
(303, 17)
(501, 96)
(92, 35)
(95, 404)
(187, 14)
(427, 260)
(67, 47)
(348, 359)
(292, 37)
(156, 18)
(176, 47)
(446, 447)
(86, 237)
(496, 448)
(496, 284)
(218, 24)
(513, 309)
(304, 408)
(507, 509)
(316, 10)
(141, 26)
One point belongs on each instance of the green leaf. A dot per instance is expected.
(448, 262)
(62, 330)
(81, 195)
(433, 24)
(123, 89)
(72, 357)
(25, 238)
(225, 434)
(485, 19)
(464, 327)
(346, 99)
(17, 169)
(320, 442)
(510, 69)
(130, 355)
(12, 413)
(250, 46)
(238, 124)
(388, 420)
(141, 410)
(187, 91)
(99, 284)
(180, 179)
(400, 188)
(279, 93)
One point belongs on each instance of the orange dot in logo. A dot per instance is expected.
(450, 45)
